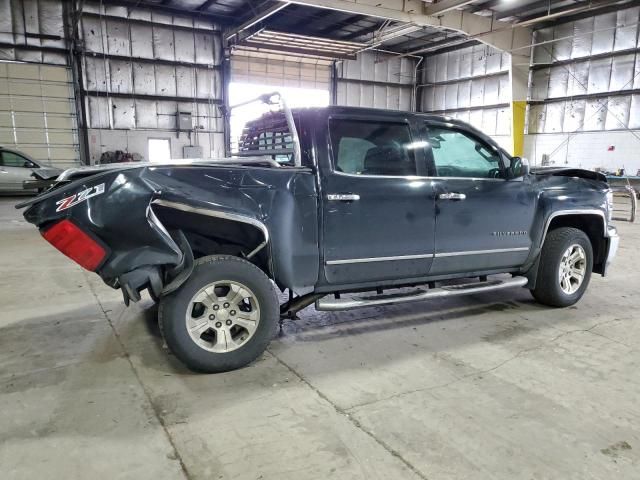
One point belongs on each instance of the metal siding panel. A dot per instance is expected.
(582, 38)
(466, 61)
(634, 112)
(622, 73)
(626, 29)
(562, 48)
(573, 115)
(144, 79)
(491, 91)
(477, 92)
(558, 80)
(554, 117)
(599, 75)
(163, 43)
(618, 113)
(118, 37)
(595, 114)
(121, 80)
(604, 33)
(453, 65)
(464, 94)
(184, 46)
(479, 62)
(142, 41)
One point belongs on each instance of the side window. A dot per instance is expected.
(457, 154)
(10, 159)
(372, 148)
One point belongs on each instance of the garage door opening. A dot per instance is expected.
(159, 149)
(295, 98)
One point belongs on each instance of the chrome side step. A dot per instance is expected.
(331, 304)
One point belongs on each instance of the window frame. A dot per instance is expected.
(404, 120)
(469, 133)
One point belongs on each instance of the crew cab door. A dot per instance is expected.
(484, 218)
(377, 206)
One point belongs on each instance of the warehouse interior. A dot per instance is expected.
(485, 386)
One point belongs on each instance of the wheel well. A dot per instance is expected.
(216, 236)
(593, 226)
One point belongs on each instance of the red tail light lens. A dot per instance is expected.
(75, 244)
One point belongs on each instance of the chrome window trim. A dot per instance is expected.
(560, 213)
(215, 213)
(416, 177)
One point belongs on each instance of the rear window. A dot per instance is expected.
(268, 135)
(362, 147)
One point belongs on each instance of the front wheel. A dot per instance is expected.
(223, 317)
(565, 267)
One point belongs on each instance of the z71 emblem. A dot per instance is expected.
(79, 197)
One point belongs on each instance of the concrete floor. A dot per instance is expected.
(488, 386)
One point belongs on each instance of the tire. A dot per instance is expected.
(237, 331)
(550, 288)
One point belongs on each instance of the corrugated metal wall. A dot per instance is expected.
(595, 62)
(471, 84)
(37, 111)
(376, 80)
(141, 67)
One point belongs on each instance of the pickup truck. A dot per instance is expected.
(342, 207)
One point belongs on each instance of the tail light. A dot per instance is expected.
(76, 244)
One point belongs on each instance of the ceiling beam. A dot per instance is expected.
(443, 6)
(259, 17)
(502, 36)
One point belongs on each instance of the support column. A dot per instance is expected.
(519, 81)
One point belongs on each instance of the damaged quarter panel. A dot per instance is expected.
(124, 217)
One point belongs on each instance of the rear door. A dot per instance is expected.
(377, 206)
(484, 219)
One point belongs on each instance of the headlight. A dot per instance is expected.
(609, 205)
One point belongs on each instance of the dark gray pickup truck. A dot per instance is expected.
(341, 207)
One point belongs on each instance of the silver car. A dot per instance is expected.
(21, 173)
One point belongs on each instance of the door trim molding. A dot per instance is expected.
(482, 252)
(378, 259)
(426, 255)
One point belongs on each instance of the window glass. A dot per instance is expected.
(10, 159)
(457, 154)
(372, 148)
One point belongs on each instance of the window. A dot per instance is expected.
(10, 159)
(159, 149)
(372, 148)
(457, 154)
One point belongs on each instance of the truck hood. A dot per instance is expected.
(569, 172)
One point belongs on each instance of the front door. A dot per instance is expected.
(484, 220)
(377, 205)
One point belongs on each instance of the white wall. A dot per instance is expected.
(136, 141)
(587, 150)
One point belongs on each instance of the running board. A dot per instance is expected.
(331, 304)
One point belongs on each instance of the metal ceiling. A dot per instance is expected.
(368, 31)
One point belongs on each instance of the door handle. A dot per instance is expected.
(343, 197)
(452, 196)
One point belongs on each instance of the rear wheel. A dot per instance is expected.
(565, 267)
(222, 317)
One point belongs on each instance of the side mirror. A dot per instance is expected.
(28, 164)
(519, 167)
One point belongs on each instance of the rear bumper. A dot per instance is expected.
(612, 249)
